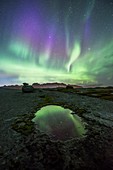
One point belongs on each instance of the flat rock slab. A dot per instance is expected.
(35, 150)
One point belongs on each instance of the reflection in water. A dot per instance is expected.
(58, 123)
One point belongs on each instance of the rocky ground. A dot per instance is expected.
(24, 147)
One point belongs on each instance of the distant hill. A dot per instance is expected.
(45, 85)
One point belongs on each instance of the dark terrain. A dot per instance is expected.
(24, 147)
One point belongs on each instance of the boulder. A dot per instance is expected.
(25, 84)
(69, 86)
(27, 88)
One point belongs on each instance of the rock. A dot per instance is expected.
(27, 88)
(25, 84)
(35, 84)
(69, 87)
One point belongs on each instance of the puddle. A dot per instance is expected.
(59, 123)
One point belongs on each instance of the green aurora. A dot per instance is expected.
(84, 69)
(66, 44)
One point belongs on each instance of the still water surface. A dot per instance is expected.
(59, 123)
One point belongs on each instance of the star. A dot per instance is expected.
(49, 36)
(89, 49)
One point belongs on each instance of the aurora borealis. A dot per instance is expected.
(68, 41)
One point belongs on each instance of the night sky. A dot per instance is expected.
(67, 41)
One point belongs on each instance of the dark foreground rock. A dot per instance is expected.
(27, 89)
(37, 151)
(24, 147)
